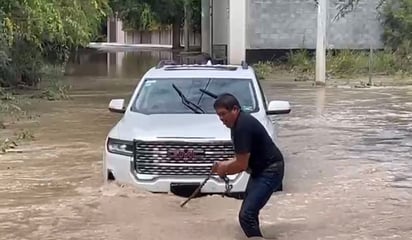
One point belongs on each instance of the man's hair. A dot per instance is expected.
(227, 101)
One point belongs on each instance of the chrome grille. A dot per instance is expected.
(179, 158)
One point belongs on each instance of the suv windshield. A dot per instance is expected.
(158, 95)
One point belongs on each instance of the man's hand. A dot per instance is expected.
(236, 165)
(220, 168)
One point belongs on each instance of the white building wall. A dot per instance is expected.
(237, 31)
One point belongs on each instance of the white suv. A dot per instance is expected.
(169, 135)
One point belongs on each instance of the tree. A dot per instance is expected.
(153, 14)
(348, 5)
(135, 14)
(170, 12)
(36, 31)
(397, 36)
(150, 14)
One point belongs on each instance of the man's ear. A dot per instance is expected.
(236, 109)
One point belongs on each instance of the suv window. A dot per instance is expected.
(158, 95)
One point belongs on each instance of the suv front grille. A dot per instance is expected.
(179, 157)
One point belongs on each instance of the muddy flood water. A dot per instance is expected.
(348, 167)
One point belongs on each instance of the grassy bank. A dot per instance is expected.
(15, 105)
(343, 64)
(13, 109)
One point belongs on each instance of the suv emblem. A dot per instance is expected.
(183, 154)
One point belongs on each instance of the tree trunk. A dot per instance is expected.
(187, 26)
(176, 35)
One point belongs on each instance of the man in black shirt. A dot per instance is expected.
(256, 153)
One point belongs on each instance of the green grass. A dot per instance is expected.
(340, 64)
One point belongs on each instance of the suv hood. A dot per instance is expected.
(140, 126)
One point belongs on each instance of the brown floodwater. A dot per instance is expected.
(348, 169)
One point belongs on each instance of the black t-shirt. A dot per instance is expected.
(249, 135)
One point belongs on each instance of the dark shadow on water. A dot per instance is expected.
(401, 186)
(275, 231)
(279, 230)
(400, 179)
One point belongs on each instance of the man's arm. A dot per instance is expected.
(242, 145)
(238, 164)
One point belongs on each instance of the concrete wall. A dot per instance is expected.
(220, 21)
(280, 24)
(147, 37)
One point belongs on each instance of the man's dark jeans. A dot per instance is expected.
(258, 191)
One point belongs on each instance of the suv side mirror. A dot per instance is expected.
(117, 106)
(278, 107)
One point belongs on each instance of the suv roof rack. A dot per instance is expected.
(201, 67)
(244, 64)
(208, 65)
(162, 63)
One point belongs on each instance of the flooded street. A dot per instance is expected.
(348, 170)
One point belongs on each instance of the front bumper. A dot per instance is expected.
(121, 167)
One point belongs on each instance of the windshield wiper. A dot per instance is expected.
(208, 93)
(195, 108)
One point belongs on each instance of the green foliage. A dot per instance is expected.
(53, 88)
(33, 32)
(347, 62)
(351, 62)
(339, 64)
(196, 7)
(397, 23)
(301, 61)
(169, 11)
(153, 14)
(147, 15)
(263, 69)
(135, 14)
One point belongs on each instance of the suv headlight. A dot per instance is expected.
(121, 147)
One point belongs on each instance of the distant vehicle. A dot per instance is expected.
(169, 134)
